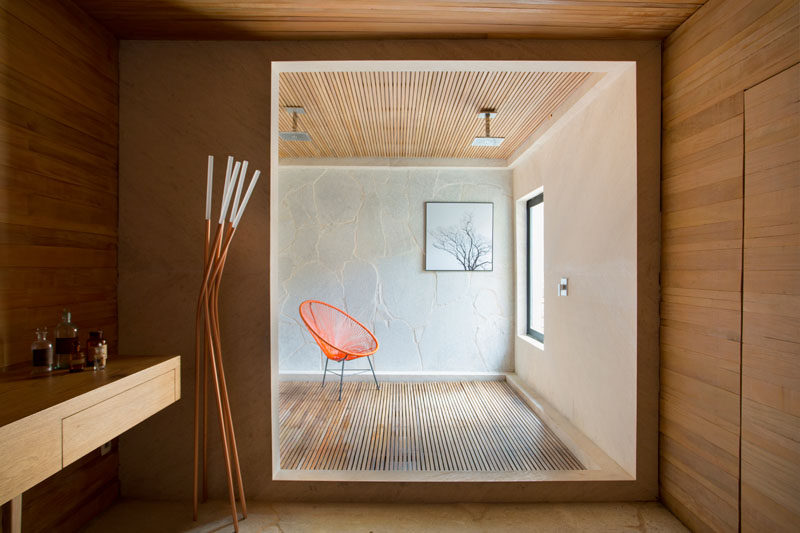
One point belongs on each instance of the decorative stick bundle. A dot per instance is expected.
(208, 342)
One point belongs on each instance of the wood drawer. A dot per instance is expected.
(95, 425)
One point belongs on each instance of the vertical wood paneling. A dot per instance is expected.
(58, 173)
(58, 211)
(770, 474)
(708, 62)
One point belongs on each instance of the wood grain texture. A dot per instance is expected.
(708, 62)
(31, 453)
(471, 426)
(58, 218)
(58, 173)
(417, 114)
(375, 19)
(36, 414)
(770, 465)
(95, 425)
(85, 488)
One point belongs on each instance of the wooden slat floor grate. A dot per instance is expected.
(467, 426)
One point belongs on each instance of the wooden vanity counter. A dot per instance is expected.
(49, 421)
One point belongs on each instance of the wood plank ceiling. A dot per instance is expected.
(417, 114)
(352, 19)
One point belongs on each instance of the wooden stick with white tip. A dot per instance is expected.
(214, 307)
(208, 313)
(228, 177)
(200, 317)
(236, 214)
(197, 362)
(203, 307)
(216, 281)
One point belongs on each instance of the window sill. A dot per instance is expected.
(533, 342)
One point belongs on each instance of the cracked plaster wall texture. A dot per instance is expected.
(354, 237)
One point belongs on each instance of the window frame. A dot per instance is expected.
(532, 202)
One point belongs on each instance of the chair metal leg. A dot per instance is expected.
(373, 373)
(341, 379)
(326, 371)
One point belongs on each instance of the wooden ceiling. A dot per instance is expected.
(417, 114)
(352, 19)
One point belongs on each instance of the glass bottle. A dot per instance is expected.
(96, 350)
(77, 359)
(42, 350)
(66, 338)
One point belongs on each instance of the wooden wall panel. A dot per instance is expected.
(770, 472)
(58, 173)
(726, 47)
(67, 500)
(58, 211)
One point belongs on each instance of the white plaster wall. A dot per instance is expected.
(354, 237)
(587, 367)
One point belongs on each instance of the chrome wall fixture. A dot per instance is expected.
(562, 286)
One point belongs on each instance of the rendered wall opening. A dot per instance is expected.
(463, 395)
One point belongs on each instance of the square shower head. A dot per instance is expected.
(294, 136)
(488, 141)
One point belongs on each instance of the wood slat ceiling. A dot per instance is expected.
(348, 19)
(417, 114)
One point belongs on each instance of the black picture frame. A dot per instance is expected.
(426, 260)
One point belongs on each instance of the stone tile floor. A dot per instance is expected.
(136, 516)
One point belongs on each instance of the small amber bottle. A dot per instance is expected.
(96, 350)
(66, 335)
(77, 359)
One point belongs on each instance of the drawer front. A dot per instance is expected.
(30, 451)
(88, 429)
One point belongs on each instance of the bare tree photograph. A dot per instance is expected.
(458, 236)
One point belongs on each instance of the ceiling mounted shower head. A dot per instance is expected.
(488, 140)
(294, 135)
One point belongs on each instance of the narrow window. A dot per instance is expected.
(536, 267)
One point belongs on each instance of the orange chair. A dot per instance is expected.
(339, 336)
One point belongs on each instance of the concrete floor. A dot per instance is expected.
(138, 516)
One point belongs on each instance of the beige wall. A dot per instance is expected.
(586, 165)
(183, 100)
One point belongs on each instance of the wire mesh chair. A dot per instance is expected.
(339, 336)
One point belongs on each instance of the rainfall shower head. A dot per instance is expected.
(487, 114)
(294, 135)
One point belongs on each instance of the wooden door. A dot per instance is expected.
(770, 446)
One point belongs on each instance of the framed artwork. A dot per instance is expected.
(459, 235)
